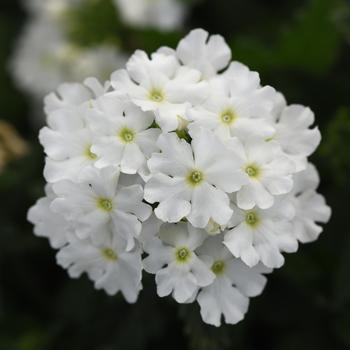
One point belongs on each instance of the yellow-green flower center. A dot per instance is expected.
(252, 170)
(195, 177)
(90, 155)
(127, 135)
(228, 116)
(218, 267)
(252, 219)
(109, 254)
(182, 255)
(156, 95)
(105, 204)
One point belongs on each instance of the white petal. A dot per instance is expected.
(208, 203)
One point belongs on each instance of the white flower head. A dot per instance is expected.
(184, 160)
(234, 283)
(193, 180)
(173, 259)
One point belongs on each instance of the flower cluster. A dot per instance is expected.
(182, 165)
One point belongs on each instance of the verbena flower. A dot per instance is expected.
(49, 224)
(186, 161)
(161, 85)
(98, 205)
(173, 259)
(109, 265)
(193, 180)
(123, 135)
(234, 283)
(262, 234)
(310, 207)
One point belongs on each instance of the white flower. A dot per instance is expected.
(231, 116)
(67, 143)
(261, 235)
(268, 169)
(208, 54)
(161, 14)
(310, 206)
(122, 135)
(73, 94)
(172, 258)
(161, 85)
(97, 203)
(238, 105)
(109, 265)
(47, 223)
(234, 283)
(294, 133)
(192, 180)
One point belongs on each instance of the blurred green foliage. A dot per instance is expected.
(300, 47)
(309, 42)
(337, 148)
(94, 23)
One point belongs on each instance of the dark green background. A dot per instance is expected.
(301, 48)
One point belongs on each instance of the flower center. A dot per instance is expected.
(105, 204)
(182, 255)
(228, 116)
(195, 177)
(127, 135)
(213, 228)
(252, 170)
(218, 267)
(252, 219)
(90, 155)
(156, 95)
(109, 254)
